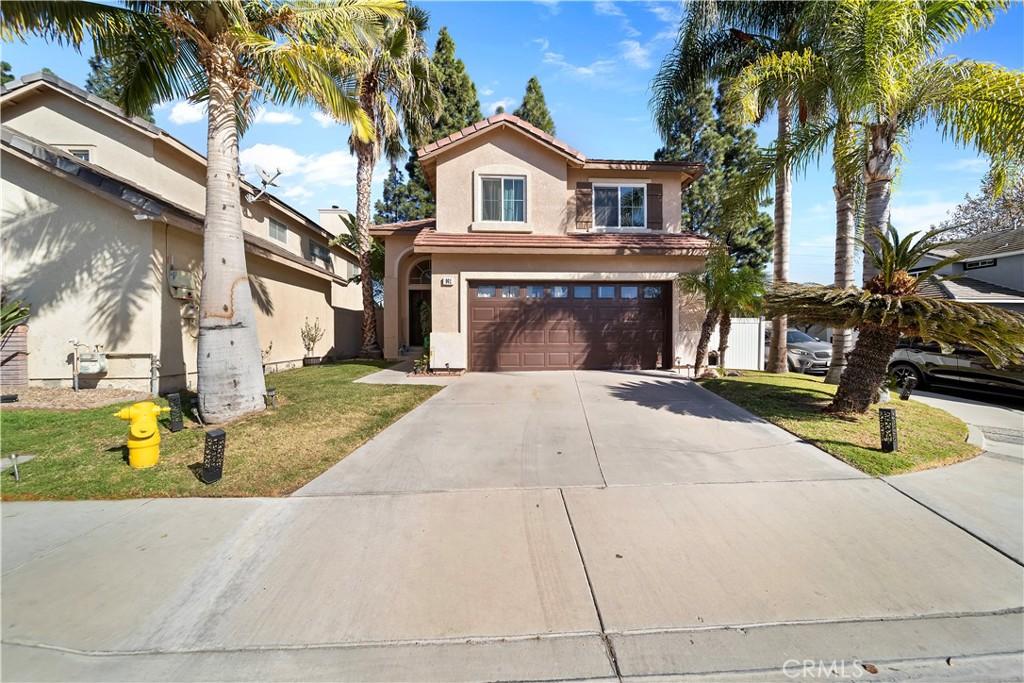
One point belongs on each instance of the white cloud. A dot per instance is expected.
(551, 5)
(333, 168)
(270, 158)
(273, 117)
(325, 120)
(595, 68)
(506, 102)
(544, 43)
(187, 112)
(908, 217)
(297, 192)
(487, 92)
(635, 53)
(668, 12)
(968, 165)
(608, 8)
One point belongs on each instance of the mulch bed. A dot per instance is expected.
(65, 398)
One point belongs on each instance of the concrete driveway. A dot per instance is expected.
(550, 526)
(565, 429)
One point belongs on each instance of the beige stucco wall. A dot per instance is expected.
(550, 185)
(507, 153)
(90, 270)
(449, 303)
(150, 161)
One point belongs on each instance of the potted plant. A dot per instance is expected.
(311, 334)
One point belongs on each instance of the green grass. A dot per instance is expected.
(928, 437)
(322, 416)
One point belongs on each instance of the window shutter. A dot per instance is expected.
(654, 213)
(584, 205)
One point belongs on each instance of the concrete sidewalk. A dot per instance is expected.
(985, 496)
(706, 545)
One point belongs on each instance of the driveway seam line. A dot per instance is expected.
(964, 529)
(609, 647)
(590, 432)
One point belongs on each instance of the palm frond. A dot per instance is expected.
(996, 332)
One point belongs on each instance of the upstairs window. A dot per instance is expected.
(620, 206)
(278, 231)
(319, 251)
(983, 263)
(82, 154)
(503, 199)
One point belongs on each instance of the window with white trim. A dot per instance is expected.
(983, 263)
(620, 206)
(278, 231)
(503, 199)
(83, 154)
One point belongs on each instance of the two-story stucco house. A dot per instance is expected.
(542, 258)
(102, 236)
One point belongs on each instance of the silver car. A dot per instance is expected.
(804, 353)
(964, 367)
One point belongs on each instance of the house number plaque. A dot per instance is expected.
(447, 280)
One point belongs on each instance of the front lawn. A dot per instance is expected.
(928, 437)
(322, 416)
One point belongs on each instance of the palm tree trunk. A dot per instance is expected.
(706, 328)
(780, 256)
(842, 339)
(364, 182)
(878, 185)
(868, 364)
(229, 363)
(724, 325)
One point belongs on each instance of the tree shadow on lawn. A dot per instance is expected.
(770, 401)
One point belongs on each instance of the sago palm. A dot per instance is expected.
(868, 58)
(890, 306)
(716, 40)
(229, 55)
(397, 90)
(725, 289)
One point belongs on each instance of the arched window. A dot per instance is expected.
(419, 274)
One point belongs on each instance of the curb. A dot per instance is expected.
(976, 437)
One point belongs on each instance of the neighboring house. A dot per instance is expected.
(541, 258)
(102, 235)
(990, 270)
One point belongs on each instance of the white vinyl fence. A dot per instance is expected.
(746, 344)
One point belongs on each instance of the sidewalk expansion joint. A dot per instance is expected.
(608, 645)
(590, 432)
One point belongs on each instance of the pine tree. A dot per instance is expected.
(534, 109)
(703, 131)
(461, 105)
(460, 108)
(103, 81)
(395, 203)
(5, 73)
(500, 109)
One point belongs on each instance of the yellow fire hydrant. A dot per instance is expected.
(143, 433)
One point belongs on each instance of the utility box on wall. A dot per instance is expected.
(182, 284)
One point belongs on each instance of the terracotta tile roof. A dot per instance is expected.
(655, 243)
(403, 227)
(499, 119)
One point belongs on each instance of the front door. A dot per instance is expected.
(418, 298)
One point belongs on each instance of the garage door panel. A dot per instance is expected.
(511, 332)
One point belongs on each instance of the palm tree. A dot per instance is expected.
(890, 306)
(397, 87)
(873, 68)
(228, 54)
(716, 40)
(726, 289)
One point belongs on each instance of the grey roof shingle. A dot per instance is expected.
(987, 244)
(969, 289)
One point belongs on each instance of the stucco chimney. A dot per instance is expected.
(330, 219)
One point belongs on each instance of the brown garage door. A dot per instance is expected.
(567, 325)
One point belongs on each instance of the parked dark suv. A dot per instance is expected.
(964, 367)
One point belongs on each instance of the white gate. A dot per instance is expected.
(746, 344)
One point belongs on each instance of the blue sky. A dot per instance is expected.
(595, 61)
